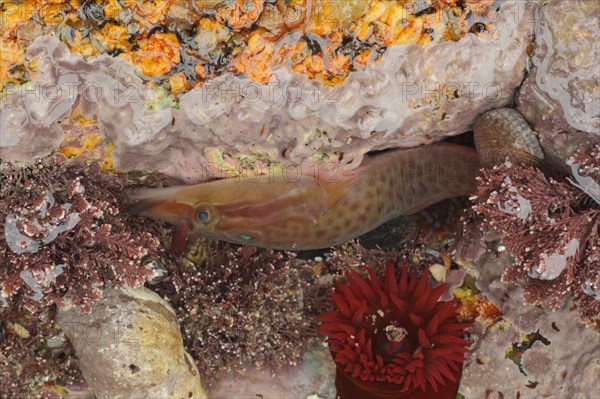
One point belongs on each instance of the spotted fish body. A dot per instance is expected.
(316, 210)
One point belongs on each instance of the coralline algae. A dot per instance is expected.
(413, 95)
(550, 227)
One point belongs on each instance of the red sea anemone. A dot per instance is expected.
(394, 339)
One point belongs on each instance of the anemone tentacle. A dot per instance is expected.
(395, 331)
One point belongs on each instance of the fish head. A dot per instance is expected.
(263, 212)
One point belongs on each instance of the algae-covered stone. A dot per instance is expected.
(413, 95)
(130, 345)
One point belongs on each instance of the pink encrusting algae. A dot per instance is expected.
(318, 208)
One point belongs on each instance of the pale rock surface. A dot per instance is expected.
(560, 97)
(312, 378)
(130, 346)
(569, 367)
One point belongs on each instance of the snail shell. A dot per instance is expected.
(503, 133)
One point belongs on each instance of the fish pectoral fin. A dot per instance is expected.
(314, 197)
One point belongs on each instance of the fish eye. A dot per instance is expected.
(205, 214)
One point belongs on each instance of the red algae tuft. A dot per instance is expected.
(62, 230)
(550, 227)
(394, 337)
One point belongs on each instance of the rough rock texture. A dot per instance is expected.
(105, 85)
(18, 127)
(567, 367)
(560, 97)
(130, 345)
(413, 95)
(312, 378)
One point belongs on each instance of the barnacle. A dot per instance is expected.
(113, 37)
(82, 45)
(145, 32)
(11, 54)
(157, 54)
(254, 60)
(242, 13)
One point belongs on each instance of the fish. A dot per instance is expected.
(318, 208)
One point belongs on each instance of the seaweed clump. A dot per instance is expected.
(550, 227)
(61, 230)
(242, 307)
(36, 360)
